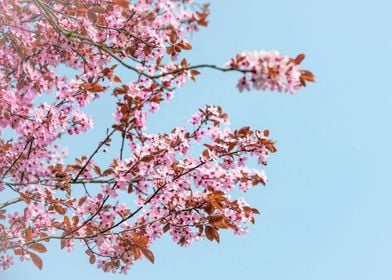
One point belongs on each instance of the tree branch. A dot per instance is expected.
(10, 202)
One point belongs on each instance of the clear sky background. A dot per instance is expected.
(326, 211)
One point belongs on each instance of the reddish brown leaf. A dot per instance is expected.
(97, 170)
(107, 172)
(137, 253)
(217, 238)
(95, 88)
(63, 242)
(142, 241)
(206, 153)
(25, 198)
(171, 50)
(91, 259)
(44, 235)
(307, 76)
(81, 10)
(38, 247)
(173, 36)
(184, 63)
(209, 231)
(299, 58)
(166, 227)
(216, 218)
(82, 200)
(59, 209)
(122, 3)
(117, 79)
(29, 234)
(21, 83)
(67, 222)
(148, 254)
(147, 50)
(195, 72)
(212, 233)
(99, 10)
(91, 256)
(185, 45)
(18, 251)
(75, 220)
(92, 16)
(147, 158)
(302, 82)
(270, 147)
(36, 260)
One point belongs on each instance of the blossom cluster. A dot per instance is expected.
(269, 70)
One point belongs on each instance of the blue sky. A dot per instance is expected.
(326, 209)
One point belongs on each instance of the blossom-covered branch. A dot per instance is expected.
(118, 202)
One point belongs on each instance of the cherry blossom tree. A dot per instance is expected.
(155, 183)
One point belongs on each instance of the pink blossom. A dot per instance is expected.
(6, 261)
(269, 70)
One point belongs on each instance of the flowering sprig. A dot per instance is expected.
(269, 70)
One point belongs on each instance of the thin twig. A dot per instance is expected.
(92, 155)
